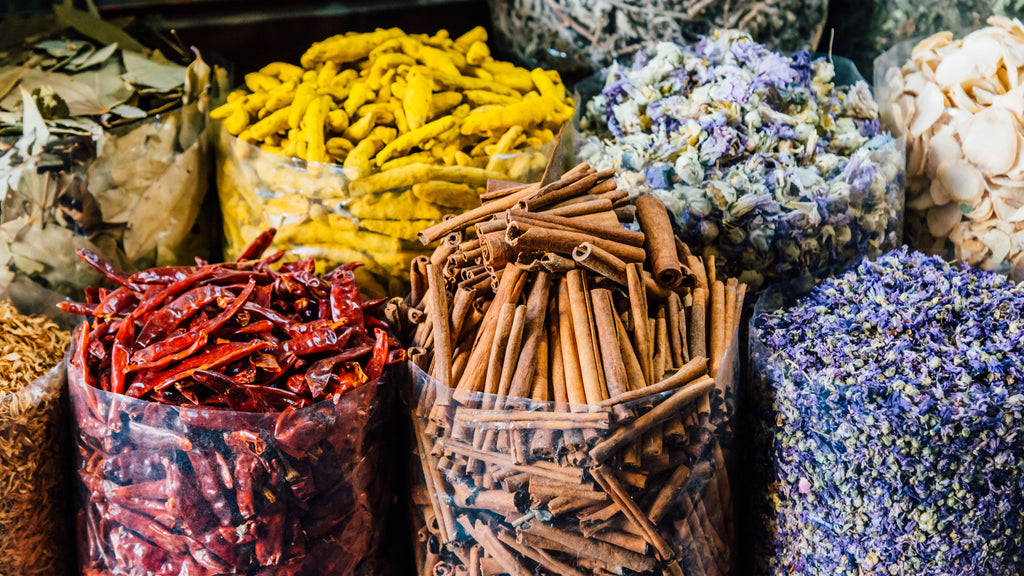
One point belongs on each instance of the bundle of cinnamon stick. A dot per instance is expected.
(574, 387)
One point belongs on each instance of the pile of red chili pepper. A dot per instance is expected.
(235, 335)
(204, 446)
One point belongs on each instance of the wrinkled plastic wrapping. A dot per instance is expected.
(32, 474)
(133, 195)
(34, 492)
(499, 503)
(833, 209)
(317, 216)
(166, 490)
(840, 488)
(580, 36)
(986, 228)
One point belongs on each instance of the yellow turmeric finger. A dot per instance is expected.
(313, 129)
(526, 113)
(343, 49)
(339, 147)
(384, 63)
(283, 71)
(409, 175)
(304, 95)
(483, 98)
(359, 95)
(447, 194)
(441, 102)
(478, 54)
(337, 121)
(416, 158)
(225, 110)
(387, 134)
(237, 121)
(261, 82)
(418, 96)
(361, 128)
(414, 138)
(326, 74)
(276, 122)
(430, 56)
(457, 82)
(506, 142)
(357, 162)
(464, 42)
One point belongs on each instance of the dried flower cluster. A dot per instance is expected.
(961, 104)
(579, 35)
(759, 156)
(891, 401)
(32, 439)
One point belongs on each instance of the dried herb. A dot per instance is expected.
(890, 403)
(98, 145)
(577, 36)
(33, 524)
(761, 158)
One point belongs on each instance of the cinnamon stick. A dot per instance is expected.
(657, 227)
(603, 551)
(533, 332)
(588, 356)
(601, 261)
(660, 413)
(527, 237)
(638, 306)
(611, 233)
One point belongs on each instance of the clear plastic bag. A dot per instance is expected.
(576, 37)
(132, 194)
(871, 473)
(168, 490)
(962, 201)
(35, 499)
(767, 215)
(535, 503)
(318, 216)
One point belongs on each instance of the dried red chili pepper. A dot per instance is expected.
(245, 405)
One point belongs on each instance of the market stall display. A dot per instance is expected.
(580, 36)
(961, 105)
(763, 159)
(889, 409)
(573, 390)
(230, 418)
(864, 30)
(102, 146)
(34, 515)
(374, 137)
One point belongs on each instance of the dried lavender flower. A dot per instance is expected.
(760, 157)
(890, 403)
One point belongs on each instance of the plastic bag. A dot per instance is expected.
(867, 470)
(317, 216)
(167, 490)
(965, 196)
(537, 503)
(768, 210)
(35, 498)
(131, 193)
(576, 37)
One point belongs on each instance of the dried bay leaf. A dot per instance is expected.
(61, 48)
(98, 57)
(161, 76)
(9, 78)
(95, 28)
(167, 210)
(110, 88)
(126, 111)
(82, 99)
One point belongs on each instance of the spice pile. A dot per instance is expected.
(410, 126)
(102, 147)
(228, 418)
(760, 157)
(33, 515)
(961, 104)
(891, 405)
(572, 422)
(582, 35)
